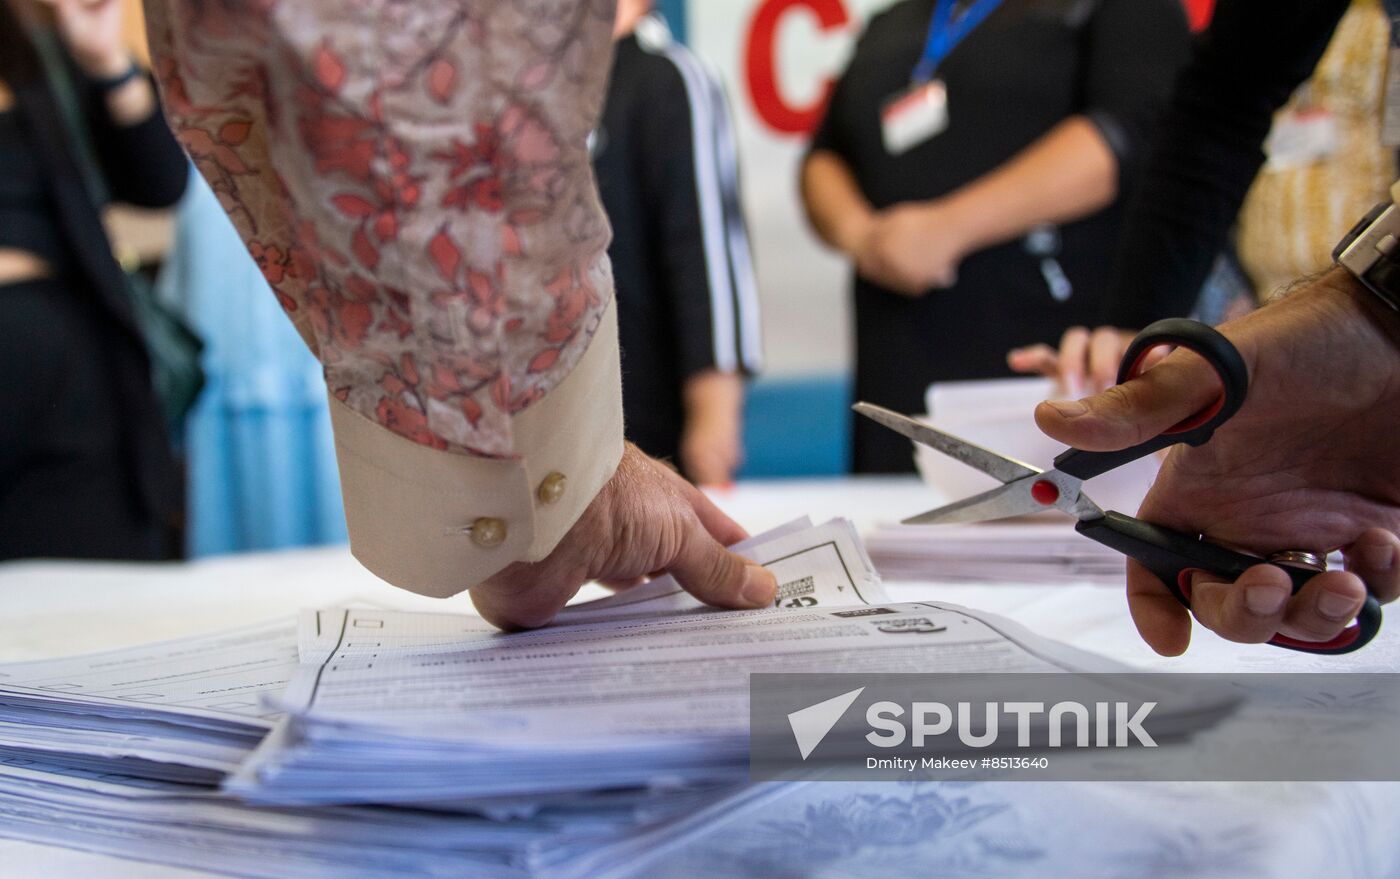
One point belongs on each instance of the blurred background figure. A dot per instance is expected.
(664, 155)
(1325, 161)
(86, 468)
(989, 227)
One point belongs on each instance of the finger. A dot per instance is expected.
(1040, 359)
(520, 598)
(1153, 357)
(1073, 356)
(1161, 620)
(1373, 557)
(717, 576)
(1127, 414)
(1324, 606)
(1250, 610)
(1105, 353)
(715, 521)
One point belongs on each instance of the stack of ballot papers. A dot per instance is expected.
(1039, 550)
(647, 688)
(367, 742)
(132, 752)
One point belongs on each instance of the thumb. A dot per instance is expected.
(1139, 409)
(717, 576)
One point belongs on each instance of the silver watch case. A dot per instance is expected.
(1371, 252)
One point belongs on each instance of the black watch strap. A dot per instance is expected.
(112, 83)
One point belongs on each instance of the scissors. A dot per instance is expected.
(1170, 555)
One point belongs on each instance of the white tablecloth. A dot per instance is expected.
(837, 829)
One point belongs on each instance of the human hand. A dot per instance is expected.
(710, 451)
(711, 445)
(1307, 463)
(645, 521)
(1087, 362)
(912, 248)
(92, 31)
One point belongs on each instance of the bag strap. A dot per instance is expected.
(65, 93)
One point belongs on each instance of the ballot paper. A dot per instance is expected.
(199, 828)
(825, 565)
(185, 711)
(1039, 550)
(642, 690)
(120, 752)
(639, 670)
(111, 752)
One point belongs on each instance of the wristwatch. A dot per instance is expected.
(1371, 250)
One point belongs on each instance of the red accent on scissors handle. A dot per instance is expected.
(1191, 423)
(1224, 360)
(1338, 644)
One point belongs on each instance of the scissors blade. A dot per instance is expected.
(1032, 494)
(1000, 467)
(1002, 502)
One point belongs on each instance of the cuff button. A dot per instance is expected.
(488, 532)
(551, 488)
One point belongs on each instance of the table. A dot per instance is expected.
(833, 829)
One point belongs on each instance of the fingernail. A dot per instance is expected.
(1336, 606)
(1265, 601)
(759, 586)
(1380, 557)
(1069, 408)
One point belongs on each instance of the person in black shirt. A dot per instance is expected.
(687, 306)
(1245, 67)
(1049, 103)
(86, 468)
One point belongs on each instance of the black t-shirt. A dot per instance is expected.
(1029, 66)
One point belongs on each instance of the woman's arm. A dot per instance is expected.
(1068, 173)
(712, 447)
(835, 206)
(92, 32)
(140, 159)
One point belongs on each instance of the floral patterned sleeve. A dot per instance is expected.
(413, 179)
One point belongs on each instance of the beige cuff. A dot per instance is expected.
(437, 523)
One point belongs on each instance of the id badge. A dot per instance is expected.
(913, 116)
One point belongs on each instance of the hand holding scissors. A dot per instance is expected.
(1173, 557)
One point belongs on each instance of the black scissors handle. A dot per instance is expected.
(1216, 350)
(1173, 556)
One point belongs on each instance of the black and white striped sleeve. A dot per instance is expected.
(693, 184)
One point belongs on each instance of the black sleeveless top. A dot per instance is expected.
(28, 218)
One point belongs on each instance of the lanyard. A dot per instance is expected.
(945, 32)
